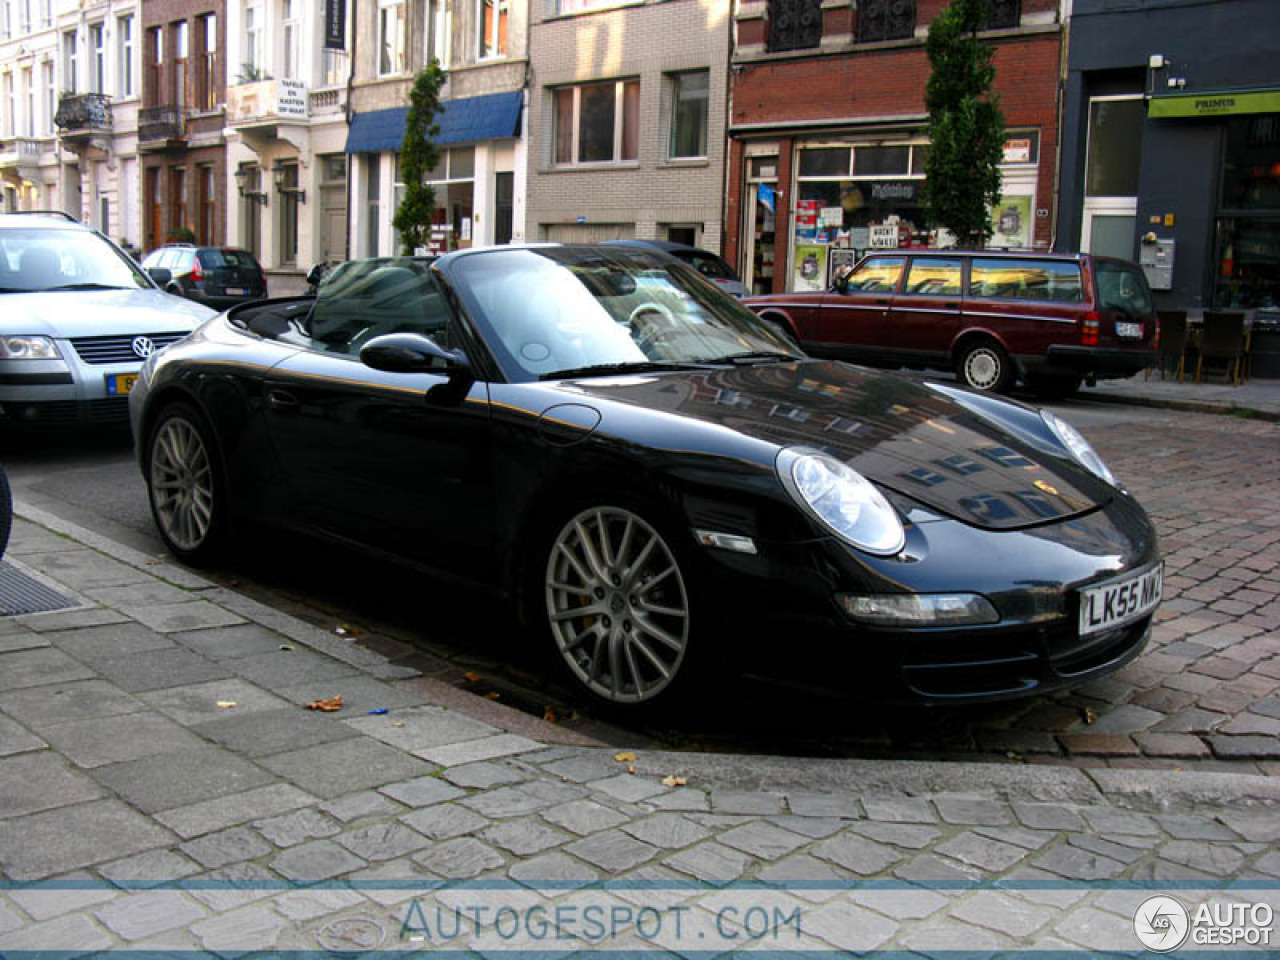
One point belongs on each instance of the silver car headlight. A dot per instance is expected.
(841, 499)
(1080, 448)
(27, 348)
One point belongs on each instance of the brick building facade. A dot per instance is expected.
(180, 142)
(828, 131)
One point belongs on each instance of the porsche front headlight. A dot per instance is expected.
(841, 499)
(1080, 448)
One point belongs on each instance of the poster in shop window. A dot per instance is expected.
(810, 267)
(1012, 222)
(841, 259)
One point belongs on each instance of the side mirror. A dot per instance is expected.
(159, 275)
(840, 283)
(411, 353)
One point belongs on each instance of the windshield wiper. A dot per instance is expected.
(85, 286)
(631, 366)
(759, 356)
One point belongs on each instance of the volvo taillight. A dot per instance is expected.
(1089, 332)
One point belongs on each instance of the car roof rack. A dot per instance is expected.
(46, 213)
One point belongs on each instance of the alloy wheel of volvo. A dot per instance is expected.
(617, 605)
(984, 366)
(182, 484)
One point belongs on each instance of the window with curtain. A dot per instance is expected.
(689, 97)
(596, 122)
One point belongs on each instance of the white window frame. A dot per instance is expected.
(619, 124)
(127, 45)
(436, 31)
(673, 84)
(289, 34)
(391, 12)
(6, 19)
(70, 61)
(10, 104)
(484, 42)
(28, 102)
(24, 16)
(46, 13)
(253, 52)
(98, 57)
(48, 77)
(1101, 206)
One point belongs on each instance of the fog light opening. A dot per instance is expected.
(919, 609)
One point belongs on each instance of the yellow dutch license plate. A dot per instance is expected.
(119, 384)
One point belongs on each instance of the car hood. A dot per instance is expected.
(97, 313)
(978, 459)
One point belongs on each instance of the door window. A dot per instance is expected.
(935, 277)
(877, 275)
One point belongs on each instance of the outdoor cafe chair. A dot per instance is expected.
(1223, 338)
(1173, 342)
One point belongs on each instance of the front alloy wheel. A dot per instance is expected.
(617, 605)
(182, 485)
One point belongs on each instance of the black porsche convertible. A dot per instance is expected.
(660, 484)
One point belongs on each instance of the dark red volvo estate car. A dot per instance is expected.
(1048, 320)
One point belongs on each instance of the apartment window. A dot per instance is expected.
(796, 24)
(492, 17)
(98, 58)
(689, 94)
(125, 43)
(70, 61)
(207, 62)
(46, 13)
(208, 204)
(597, 122)
(50, 95)
(435, 27)
(6, 18)
(178, 199)
(1001, 15)
(886, 20)
(10, 105)
(154, 87)
(24, 16)
(289, 40)
(288, 207)
(181, 62)
(390, 37)
(253, 62)
(29, 103)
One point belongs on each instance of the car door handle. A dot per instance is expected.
(283, 401)
(882, 303)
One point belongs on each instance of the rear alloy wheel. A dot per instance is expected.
(617, 605)
(984, 366)
(183, 484)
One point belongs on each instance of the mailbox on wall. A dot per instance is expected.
(1156, 259)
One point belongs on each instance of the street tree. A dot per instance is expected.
(966, 127)
(418, 157)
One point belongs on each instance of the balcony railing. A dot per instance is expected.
(161, 123)
(266, 101)
(83, 112)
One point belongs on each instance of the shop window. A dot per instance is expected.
(886, 20)
(826, 162)
(882, 161)
(689, 95)
(492, 19)
(794, 24)
(1247, 260)
(597, 122)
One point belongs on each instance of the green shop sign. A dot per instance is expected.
(1215, 104)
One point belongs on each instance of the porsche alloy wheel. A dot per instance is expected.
(182, 484)
(617, 605)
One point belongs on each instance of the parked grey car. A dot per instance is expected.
(77, 318)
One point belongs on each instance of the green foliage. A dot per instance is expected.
(418, 157)
(181, 235)
(966, 127)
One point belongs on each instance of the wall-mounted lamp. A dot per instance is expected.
(278, 171)
(242, 178)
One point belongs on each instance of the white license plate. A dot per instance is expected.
(236, 291)
(1131, 331)
(1121, 601)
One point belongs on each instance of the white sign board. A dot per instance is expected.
(291, 98)
(884, 236)
(833, 216)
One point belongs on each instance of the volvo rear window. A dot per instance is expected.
(1007, 278)
(1121, 286)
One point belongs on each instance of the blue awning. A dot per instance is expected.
(494, 116)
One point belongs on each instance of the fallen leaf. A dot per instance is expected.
(631, 769)
(286, 647)
(226, 704)
(154, 560)
(472, 677)
(549, 715)
(492, 695)
(625, 757)
(674, 781)
(398, 723)
(1089, 715)
(329, 705)
(340, 631)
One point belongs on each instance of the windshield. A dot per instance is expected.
(32, 258)
(1121, 286)
(706, 264)
(563, 309)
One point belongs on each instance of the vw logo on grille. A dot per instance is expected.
(143, 347)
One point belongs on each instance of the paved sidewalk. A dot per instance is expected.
(1253, 398)
(159, 769)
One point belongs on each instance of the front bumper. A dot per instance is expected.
(66, 392)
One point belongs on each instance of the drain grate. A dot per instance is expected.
(21, 593)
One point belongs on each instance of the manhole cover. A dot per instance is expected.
(21, 593)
